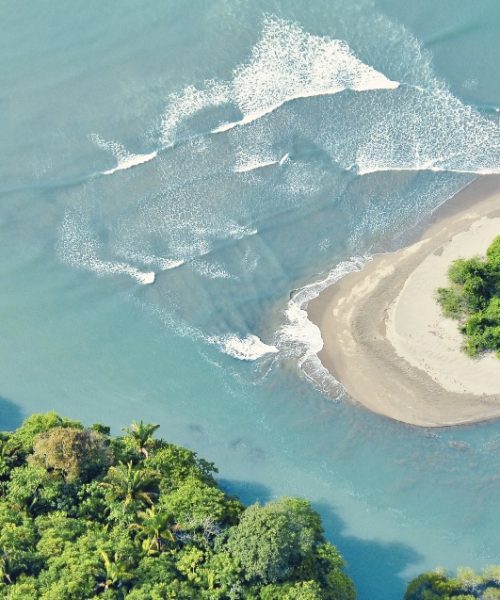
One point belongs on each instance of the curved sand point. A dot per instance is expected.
(385, 338)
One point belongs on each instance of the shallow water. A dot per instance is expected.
(266, 153)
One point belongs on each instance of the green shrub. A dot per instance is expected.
(466, 585)
(474, 299)
(451, 303)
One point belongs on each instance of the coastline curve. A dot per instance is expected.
(364, 317)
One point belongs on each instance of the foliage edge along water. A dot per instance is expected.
(84, 514)
(178, 180)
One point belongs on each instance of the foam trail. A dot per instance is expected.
(162, 263)
(78, 248)
(255, 165)
(210, 270)
(248, 348)
(427, 166)
(125, 159)
(238, 232)
(421, 127)
(286, 64)
(252, 164)
(131, 161)
(250, 118)
(226, 127)
(165, 264)
(190, 101)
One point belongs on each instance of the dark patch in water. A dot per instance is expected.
(10, 415)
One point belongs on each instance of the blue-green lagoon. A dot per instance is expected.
(174, 179)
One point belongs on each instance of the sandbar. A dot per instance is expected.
(384, 337)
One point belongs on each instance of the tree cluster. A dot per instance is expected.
(84, 514)
(465, 585)
(474, 299)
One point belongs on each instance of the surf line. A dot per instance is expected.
(128, 161)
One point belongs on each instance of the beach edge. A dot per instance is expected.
(352, 316)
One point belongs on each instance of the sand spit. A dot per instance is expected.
(384, 336)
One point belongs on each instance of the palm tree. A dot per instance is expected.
(4, 569)
(114, 573)
(154, 530)
(142, 434)
(127, 483)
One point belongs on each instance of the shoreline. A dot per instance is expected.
(378, 324)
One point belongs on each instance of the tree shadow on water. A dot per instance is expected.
(376, 567)
(10, 415)
(248, 492)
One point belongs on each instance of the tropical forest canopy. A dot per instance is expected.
(465, 585)
(84, 514)
(473, 298)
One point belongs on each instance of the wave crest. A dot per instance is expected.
(299, 338)
(250, 347)
(286, 64)
(124, 158)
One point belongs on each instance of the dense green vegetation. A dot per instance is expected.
(474, 299)
(466, 585)
(84, 514)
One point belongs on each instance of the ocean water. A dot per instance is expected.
(177, 179)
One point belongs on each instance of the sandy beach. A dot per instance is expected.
(385, 338)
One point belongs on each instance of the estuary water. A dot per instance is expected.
(178, 178)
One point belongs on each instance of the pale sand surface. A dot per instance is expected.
(416, 328)
(384, 337)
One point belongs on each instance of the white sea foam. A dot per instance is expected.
(162, 263)
(256, 154)
(289, 63)
(302, 179)
(253, 166)
(132, 160)
(419, 126)
(190, 101)
(238, 232)
(77, 247)
(225, 127)
(250, 347)
(124, 158)
(299, 338)
(284, 159)
(211, 270)
(286, 64)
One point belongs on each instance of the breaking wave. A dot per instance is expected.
(162, 263)
(253, 166)
(250, 347)
(286, 64)
(124, 158)
(299, 338)
(412, 124)
(246, 162)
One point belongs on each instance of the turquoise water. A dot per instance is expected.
(267, 152)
